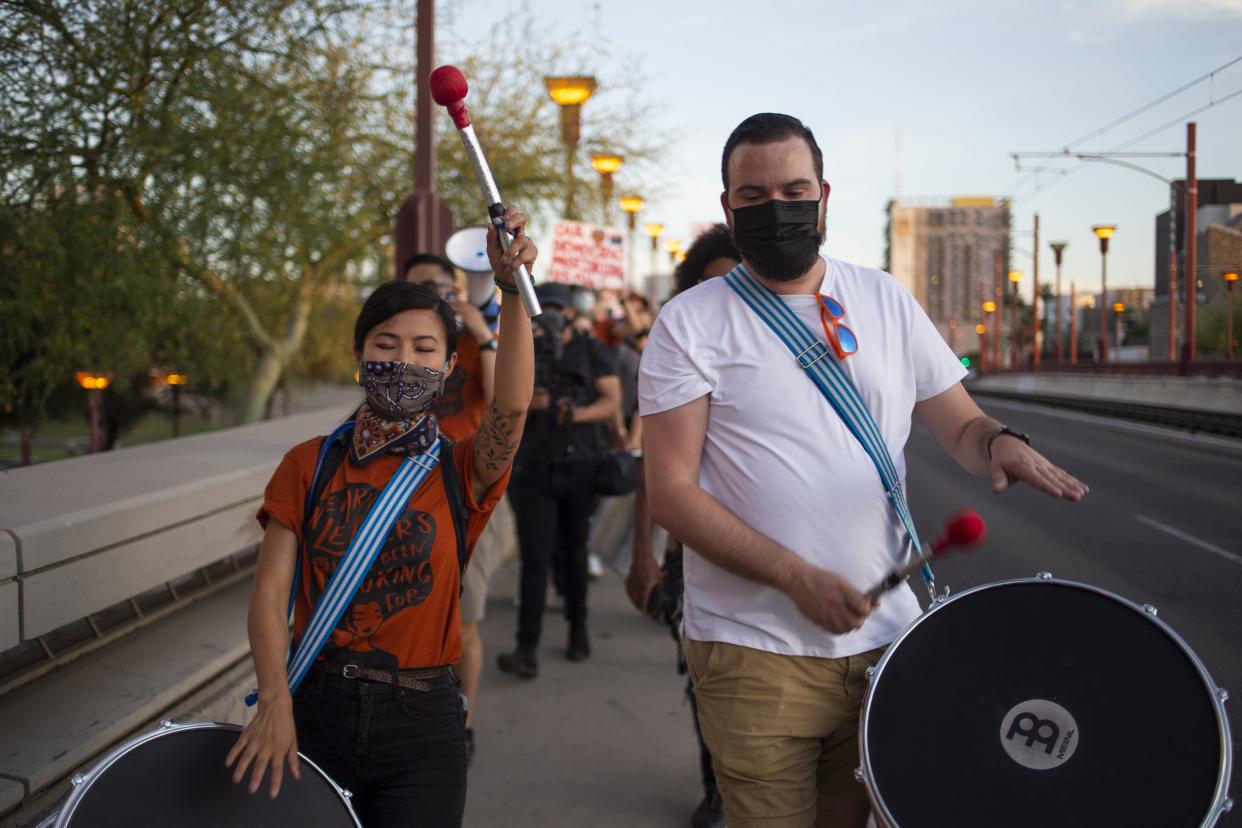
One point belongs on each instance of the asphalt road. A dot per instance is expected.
(609, 742)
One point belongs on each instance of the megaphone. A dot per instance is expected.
(467, 249)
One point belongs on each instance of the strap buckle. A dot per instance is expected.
(350, 671)
(823, 352)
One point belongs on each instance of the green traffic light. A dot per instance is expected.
(965, 362)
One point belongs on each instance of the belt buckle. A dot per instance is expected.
(350, 671)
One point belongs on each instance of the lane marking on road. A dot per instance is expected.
(1191, 539)
(1180, 435)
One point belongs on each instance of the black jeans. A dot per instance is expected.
(400, 752)
(552, 506)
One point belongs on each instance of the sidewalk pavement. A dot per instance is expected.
(607, 742)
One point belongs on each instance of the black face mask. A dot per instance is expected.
(781, 238)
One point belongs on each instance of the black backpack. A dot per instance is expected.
(335, 455)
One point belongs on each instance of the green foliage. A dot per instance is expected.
(206, 186)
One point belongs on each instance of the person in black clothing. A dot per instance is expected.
(577, 394)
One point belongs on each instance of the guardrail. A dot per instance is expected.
(1200, 368)
(1196, 420)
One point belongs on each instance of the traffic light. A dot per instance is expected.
(965, 362)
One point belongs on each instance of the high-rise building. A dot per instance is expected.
(1218, 222)
(947, 253)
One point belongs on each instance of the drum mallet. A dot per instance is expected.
(965, 528)
(448, 89)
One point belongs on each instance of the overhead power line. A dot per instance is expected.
(1209, 76)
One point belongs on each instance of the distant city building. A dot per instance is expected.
(945, 251)
(1218, 225)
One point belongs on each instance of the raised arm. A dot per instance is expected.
(672, 447)
(501, 429)
(974, 440)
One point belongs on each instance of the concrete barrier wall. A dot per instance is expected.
(1202, 393)
(79, 535)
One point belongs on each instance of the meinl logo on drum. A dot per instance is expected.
(1039, 734)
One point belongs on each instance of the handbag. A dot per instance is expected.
(616, 473)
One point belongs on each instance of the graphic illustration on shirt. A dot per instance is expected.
(400, 577)
(453, 400)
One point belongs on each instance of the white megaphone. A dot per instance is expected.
(467, 249)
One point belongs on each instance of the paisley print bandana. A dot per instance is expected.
(375, 436)
(401, 391)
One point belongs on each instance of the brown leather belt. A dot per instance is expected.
(405, 678)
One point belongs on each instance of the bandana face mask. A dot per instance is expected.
(401, 390)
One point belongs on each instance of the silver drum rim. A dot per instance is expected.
(84, 781)
(1220, 803)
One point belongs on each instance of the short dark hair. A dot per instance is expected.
(431, 259)
(714, 243)
(768, 128)
(391, 298)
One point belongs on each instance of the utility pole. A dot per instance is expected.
(998, 296)
(424, 221)
(1035, 301)
(1192, 287)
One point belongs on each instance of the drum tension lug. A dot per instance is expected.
(77, 779)
(859, 776)
(1151, 610)
(1222, 694)
(1226, 806)
(166, 723)
(1044, 576)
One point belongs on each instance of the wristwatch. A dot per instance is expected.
(1002, 431)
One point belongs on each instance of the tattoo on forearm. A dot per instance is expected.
(498, 439)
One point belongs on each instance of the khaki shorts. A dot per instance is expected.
(497, 544)
(782, 730)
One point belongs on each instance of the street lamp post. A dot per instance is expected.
(606, 163)
(630, 205)
(570, 93)
(1118, 309)
(982, 330)
(654, 231)
(1073, 324)
(989, 308)
(176, 381)
(673, 247)
(1231, 279)
(1058, 250)
(1015, 320)
(94, 385)
(1103, 232)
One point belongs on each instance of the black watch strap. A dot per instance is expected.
(1002, 431)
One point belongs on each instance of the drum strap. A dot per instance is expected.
(815, 357)
(359, 556)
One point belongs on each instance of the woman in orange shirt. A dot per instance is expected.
(379, 709)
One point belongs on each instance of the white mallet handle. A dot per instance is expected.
(496, 213)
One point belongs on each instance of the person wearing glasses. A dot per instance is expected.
(782, 512)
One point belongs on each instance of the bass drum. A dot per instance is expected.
(176, 776)
(1041, 702)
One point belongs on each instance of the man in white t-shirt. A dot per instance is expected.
(782, 512)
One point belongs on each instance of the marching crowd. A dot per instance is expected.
(775, 485)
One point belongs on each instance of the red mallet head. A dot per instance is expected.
(965, 529)
(448, 89)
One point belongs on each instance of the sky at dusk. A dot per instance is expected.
(918, 100)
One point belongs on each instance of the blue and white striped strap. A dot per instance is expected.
(361, 553)
(813, 356)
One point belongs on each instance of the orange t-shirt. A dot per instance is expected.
(405, 613)
(460, 411)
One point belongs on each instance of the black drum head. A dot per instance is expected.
(179, 779)
(1041, 703)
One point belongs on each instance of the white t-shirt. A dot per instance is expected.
(782, 460)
